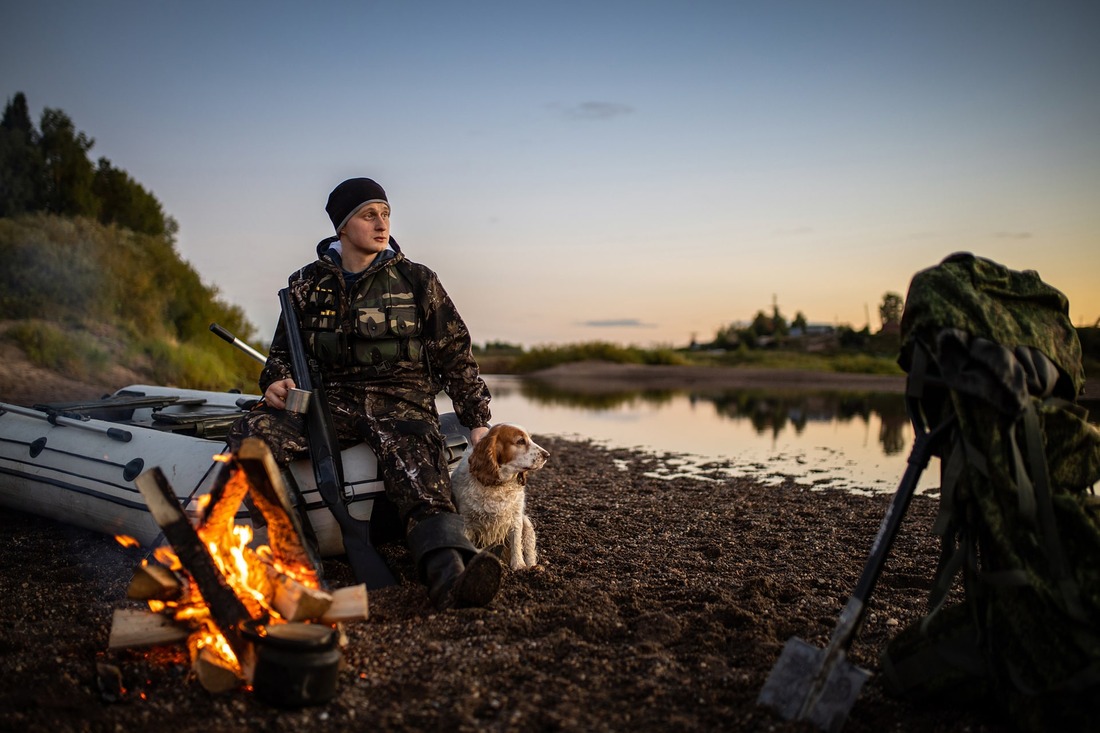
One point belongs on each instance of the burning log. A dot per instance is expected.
(296, 601)
(154, 582)
(225, 606)
(212, 671)
(272, 499)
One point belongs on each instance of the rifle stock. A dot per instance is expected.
(324, 451)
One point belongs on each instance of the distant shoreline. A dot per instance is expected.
(606, 376)
(601, 376)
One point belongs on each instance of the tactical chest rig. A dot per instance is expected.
(382, 329)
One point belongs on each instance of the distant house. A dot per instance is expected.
(812, 329)
(814, 337)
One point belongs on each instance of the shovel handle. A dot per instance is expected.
(850, 617)
(888, 529)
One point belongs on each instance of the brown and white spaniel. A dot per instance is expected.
(489, 490)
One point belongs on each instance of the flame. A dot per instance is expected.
(247, 570)
(126, 541)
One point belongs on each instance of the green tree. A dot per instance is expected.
(799, 321)
(890, 310)
(761, 325)
(21, 168)
(69, 173)
(125, 202)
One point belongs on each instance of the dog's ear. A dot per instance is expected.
(485, 460)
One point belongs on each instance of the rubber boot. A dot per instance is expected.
(457, 575)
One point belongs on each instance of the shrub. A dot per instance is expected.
(75, 354)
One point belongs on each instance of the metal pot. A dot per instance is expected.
(296, 664)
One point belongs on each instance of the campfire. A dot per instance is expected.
(252, 615)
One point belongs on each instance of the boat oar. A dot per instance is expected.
(821, 685)
(122, 436)
(224, 334)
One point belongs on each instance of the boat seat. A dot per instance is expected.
(212, 425)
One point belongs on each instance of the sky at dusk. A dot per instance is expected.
(632, 172)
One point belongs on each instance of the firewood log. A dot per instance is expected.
(270, 496)
(212, 672)
(133, 628)
(154, 582)
(295, 601)
(226, 609)
(348, 604)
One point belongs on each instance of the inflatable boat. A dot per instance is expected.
(76, 462)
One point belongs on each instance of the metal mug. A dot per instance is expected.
(297, 400)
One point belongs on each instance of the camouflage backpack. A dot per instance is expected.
(993, 350)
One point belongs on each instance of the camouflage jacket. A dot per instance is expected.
(446, 362)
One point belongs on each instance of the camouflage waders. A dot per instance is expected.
(403, 434)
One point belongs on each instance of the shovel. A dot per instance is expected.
(821, 685)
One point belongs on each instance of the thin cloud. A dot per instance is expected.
(618, 323)
(1013, 235)
(595, 110)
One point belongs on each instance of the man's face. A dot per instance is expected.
(368, 232)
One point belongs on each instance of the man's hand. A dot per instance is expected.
(477, 434)
(276, 392)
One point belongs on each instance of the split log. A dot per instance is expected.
(154, 582)
(133, 628)
(226, 496)
(213, 673)
(348, 604)
(295, 601)
(270, 496)
(226, 609)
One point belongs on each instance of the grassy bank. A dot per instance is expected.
(80, 297)
(496, 361)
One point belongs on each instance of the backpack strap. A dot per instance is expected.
(1047, 524)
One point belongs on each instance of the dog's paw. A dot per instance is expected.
(520, 565)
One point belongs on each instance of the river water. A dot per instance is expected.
(859, 442)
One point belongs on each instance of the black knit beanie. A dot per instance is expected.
(350, 196)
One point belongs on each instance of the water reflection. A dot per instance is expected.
(773, 414)
(770, 412)
(858, 441)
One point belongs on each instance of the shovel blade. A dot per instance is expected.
(805, 684)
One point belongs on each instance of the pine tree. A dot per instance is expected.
(69, 172)
(21, 166)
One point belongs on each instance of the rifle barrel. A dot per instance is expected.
(298, 363)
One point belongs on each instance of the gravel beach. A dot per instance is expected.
(659, 605)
